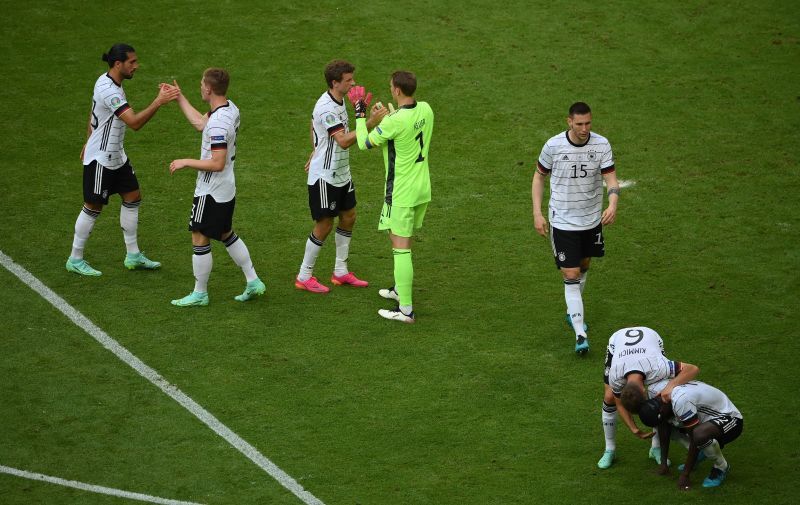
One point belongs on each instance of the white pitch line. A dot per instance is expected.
(92, 488)
(151, 375)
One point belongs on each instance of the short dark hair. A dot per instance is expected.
(406, 81)
(336, 69)
(650, 412)
(118, 52)
(632, 397)
(217, 79)
(579, 108)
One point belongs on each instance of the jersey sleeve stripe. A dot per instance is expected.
(607, 170)
(122, 109)
(333, 130)
(219, 146)
(542, 169)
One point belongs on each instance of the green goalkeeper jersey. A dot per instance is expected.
(405, 136)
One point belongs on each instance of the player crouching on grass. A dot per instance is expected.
(704, 413)
(215, 191)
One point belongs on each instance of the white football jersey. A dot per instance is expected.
(576, 182)
(329, 162)
(108, 130)
(219, 133)
(637, 349)
(697, 402)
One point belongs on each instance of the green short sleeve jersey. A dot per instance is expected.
(405, 137)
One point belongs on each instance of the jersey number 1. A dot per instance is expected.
(420, 158)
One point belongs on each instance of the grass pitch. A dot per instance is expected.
(483, 400)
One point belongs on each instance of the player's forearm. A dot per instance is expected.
(613, 188)
(195, 118)
(346, 140)
(626, 417)
(210, 165)
(139, 119)
(537, 192)
(687, 373)
(361, 133)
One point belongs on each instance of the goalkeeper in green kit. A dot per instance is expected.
(405, 137)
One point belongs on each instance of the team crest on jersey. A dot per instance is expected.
(562, 257)
(592, 155)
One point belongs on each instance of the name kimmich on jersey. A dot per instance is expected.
(637, 349)
(576, 189)
(108, 130)
(329, 162)
(219, 133)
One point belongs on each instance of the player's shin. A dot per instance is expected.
(572, 295)
(241, 256)
(83, 228)
(403, 278)
(129, 222)
(201, 266)
(342, 251)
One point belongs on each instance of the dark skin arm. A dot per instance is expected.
(664, 432)
(683, 480)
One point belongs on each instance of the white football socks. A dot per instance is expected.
(83, 228)
(241, 256)
(129, 221)
(342, 251)
(610, 426)
(313, 247)
(201, 266)
(572, 295)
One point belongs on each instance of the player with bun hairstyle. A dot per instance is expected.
(106, 168)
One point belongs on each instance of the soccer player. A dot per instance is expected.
(711, 419)
(577, 162)
(215, 191)
(405, 137)
(106, 168)
(635, 356)
(331, 193)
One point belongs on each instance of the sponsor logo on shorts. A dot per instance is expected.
(562, 256)
(332, 206)
(105, 193)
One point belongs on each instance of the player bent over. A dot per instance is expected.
(706, 413)
(331, 193)
(106, 168)
(635, 356)
(215, 191)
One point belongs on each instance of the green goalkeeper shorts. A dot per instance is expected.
(402, 221)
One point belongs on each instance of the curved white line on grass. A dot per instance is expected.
(148, 373)
(92, 488)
